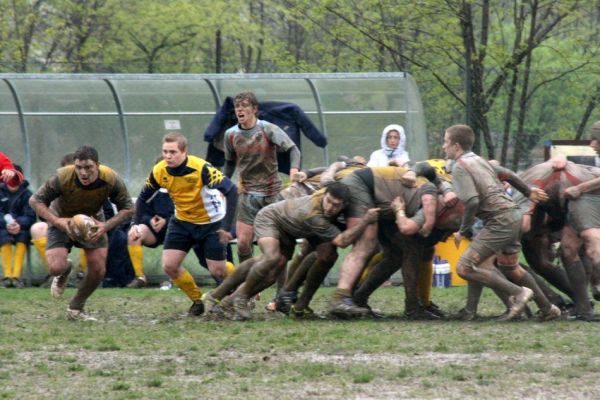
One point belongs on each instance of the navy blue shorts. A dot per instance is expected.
(183, 236)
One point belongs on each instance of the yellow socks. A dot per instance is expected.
(376, 259)
(229, 269)
(186, 283)
(40, 246)
(82, 261)
(425, 276)
(18, 259)
(6, 250)
(136, 255)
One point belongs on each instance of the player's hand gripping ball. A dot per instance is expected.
(82, 227)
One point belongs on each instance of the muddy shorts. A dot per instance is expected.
(584, 213)
(500, 234)
(250, 204)
(59, 239)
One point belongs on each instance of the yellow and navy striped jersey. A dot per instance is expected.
(196, 188)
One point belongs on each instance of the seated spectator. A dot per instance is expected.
(17, 218)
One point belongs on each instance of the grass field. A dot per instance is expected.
(143, 347)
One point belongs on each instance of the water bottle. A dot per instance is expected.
(9, 219)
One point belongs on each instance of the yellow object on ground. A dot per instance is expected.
(447, 251)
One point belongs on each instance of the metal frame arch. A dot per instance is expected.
(317, 98)
(24, 132)
(124, 131)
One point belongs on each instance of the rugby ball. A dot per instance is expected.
(81, 227)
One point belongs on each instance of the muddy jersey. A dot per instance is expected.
(313, 183)
(472, 176)
(254, 152)
(66, 196)
(299, 218)
(385, 185)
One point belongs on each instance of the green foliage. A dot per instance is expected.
(422, 37)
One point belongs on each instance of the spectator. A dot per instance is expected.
(17, 218)
(392, 152)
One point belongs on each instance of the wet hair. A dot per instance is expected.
(246, 96)
(86, 152)
(176, 137)
(425, 170)
(463, 135)
(339, 190)
(67, 159)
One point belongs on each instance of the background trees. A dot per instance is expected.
(518, 71)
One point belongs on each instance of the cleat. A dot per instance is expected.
(197, 309)
(591, 317)
(209, 302)
(284, 301)
(216, 313)
(6, 283)
(346, 309)
(551, 314)
(463, 315)
(17, 283)
(271, 306)
(79, 315)
(518, 302)
(59, 284)
(421, 314)
(435, 309)
(241, 309)
(305, 313)
(137, 283)
(226, 306)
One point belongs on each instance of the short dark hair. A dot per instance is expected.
(246, 96)
(463, 135)
(86, 152)
(425, 170)
(67, 159)
(339, 190)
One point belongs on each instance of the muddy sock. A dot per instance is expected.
(578, 281)
(297, 275)
(234, 280)
(315, 276)
(380, 273)
(187, 284)
(88, 285)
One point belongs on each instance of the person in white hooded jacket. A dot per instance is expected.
(392, 152)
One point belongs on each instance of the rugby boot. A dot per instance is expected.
(137, 283)
(59, 284)
(6, 283)
(463, 315)
(197, 309)
(17, 283)
(435, 309)
(79, 315)
(284, 301)
(209, 301)
(346, 309)
(518, 302)
(551, 314)
(305, 313)
(241, 309)
(421, 314)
